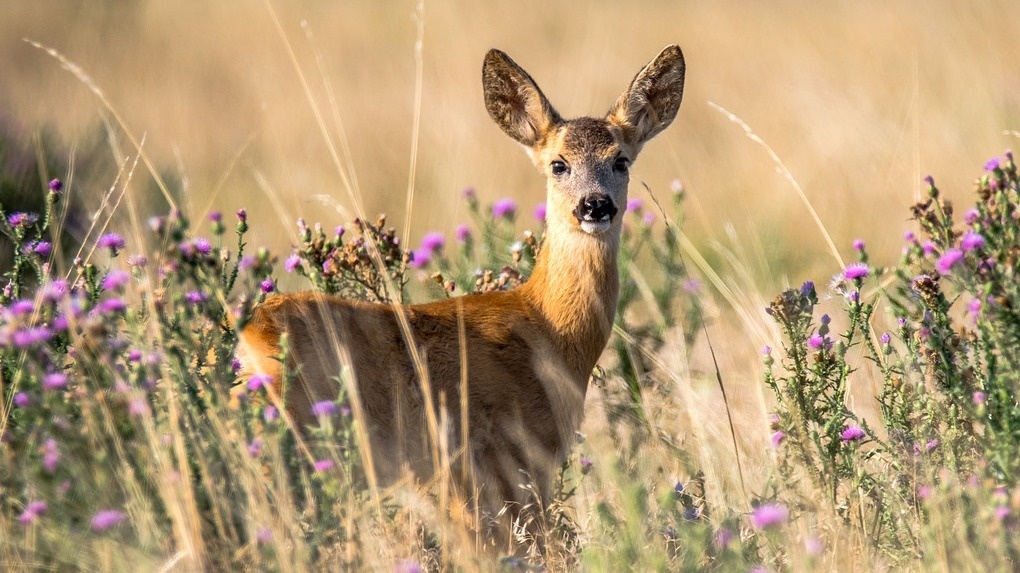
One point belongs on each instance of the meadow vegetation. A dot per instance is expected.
(122, 445)
(865, 419)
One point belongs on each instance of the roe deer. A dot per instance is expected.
(529, 351)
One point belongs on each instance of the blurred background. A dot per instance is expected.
(860, 100)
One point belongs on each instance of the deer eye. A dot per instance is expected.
(621, 165)
(558, 167)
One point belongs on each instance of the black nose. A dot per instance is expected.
(595, 208)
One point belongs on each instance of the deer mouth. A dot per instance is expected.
(595, 213)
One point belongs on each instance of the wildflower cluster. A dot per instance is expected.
(948, 401)
(91, 362)
(369, 264)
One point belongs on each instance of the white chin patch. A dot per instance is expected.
(595, 227)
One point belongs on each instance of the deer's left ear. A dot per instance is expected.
(651, 102)
(514, 100)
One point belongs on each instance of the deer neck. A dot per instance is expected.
(575, 286)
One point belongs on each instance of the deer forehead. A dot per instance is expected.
(587, 140)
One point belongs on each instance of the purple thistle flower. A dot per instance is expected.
(31, 336)
(322, 466)
(777, 438)
(723, 538)
(766, 350)
(992, 164)
(408, 566)
(855, 271)
(928, 248)
(22, 219)
(267, 286)
(202, 245)
(420, 258)
(60, 323)
(246, 263)
(979, 398)
(634, 204)
(433, 242)
(691, 286)
(817, 342)
(769, 515)
(195, 297)
(541, 211)
(323, 408)
(948, 260)
(43, 249)
(852, 433)
(137, 261)
(807, 289)
(648, 218)
(885, 338)
(971, 216)
(157, 224)
(111, 241)
(586, 464)
(137, 406)
(469, 193)
(255, 447)
(21, 308)
(54, 290)
(54, 381)
(264, 535)
(504, 208)
(115, 280)
(215, 217)
(814, 546)
(1002, 512)
(260, 380)
(270, 413)
(56, 185)
(106, 519)
(112, 306)
(909, 237)
(22, 399)
(242, 216)
(974, 306)
(51, 455)
(972, 241)
(858, 245)
(33, 510)
(463, 233)
(292, 263)
(929, 180)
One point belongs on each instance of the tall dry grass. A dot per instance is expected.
(858, 100)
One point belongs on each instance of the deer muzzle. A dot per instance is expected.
(595, 213)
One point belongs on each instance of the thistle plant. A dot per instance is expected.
(951, 350)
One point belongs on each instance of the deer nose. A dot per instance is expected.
(595, 208)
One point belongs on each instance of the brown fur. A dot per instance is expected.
(530, 351)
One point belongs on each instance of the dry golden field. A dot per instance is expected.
(314, 109)
(859, 99)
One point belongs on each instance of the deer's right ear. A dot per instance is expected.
(514, 101)
(653, 98)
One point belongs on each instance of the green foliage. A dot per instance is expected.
(945, 448)
(127, 435)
